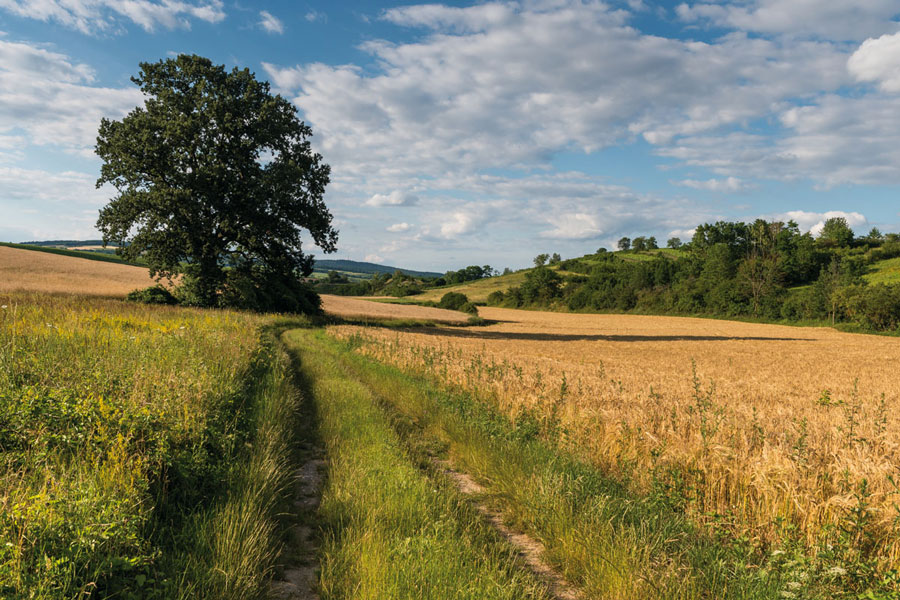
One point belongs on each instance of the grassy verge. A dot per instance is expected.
(390, 530)
(142, 450)
(608, 540)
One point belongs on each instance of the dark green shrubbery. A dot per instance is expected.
(453, 301)
(155, 294)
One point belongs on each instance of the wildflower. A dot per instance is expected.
(836, 571)
(4, 307)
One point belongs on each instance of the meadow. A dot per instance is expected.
(142, 449)
(784, 438)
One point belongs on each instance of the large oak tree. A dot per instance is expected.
(216, 180)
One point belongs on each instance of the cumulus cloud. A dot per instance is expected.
(726, 185)
(829, 19)
(573, 226)
(92, 16)
(399, 227)
(395, 198)
(49, 97)
(374, 258)
(814, 221)
(457, 224)
(878, 60)
(270, 23)
(574, 72)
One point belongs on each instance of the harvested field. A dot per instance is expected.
(27, 270)
(769, 432)
(343, 306)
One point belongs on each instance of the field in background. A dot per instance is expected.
(38, 271)
(769, 433)
(348, 307)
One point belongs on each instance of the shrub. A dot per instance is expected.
(495, 298)
(469, 308)
(155, 294)
(453, 301)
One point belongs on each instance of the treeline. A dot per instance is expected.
(398, 283)
(762, 269)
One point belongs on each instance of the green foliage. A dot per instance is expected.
(453, 301)
(541, 259)
(155, 294)
(213, 171)
(624, 244)
(469, 308)
(673, 243)
(836, 233)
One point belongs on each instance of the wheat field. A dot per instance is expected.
(344, 306)
(767, 432)
(27, 270)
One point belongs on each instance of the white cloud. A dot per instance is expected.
(399, 227)
(458, 223)
(92, 16)
(726, 185)
(536, 79)
(573, 226)
(878, 60)
(373, 258)
(270, 22)
(395, 198)
(814, 221)
(315, 15)
(48, 97)
(830, 19)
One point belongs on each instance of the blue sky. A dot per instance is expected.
(485, 133)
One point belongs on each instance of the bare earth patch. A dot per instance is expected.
(343, 306)
(27, 270)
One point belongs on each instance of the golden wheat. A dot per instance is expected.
(31, 271)
(344, 306)
(773, 426)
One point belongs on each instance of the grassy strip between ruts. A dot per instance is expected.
(143, 450)
(390, 530)
(609, 542)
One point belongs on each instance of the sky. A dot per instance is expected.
(485, 133)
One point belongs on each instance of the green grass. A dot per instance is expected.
(389, 528)
(885, 271)
(142, 450)
(88, 254)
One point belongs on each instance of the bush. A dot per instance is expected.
(155, 294)
(469, 308)
(495, 298)
(453, 301)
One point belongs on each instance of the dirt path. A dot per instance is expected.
(531, 550)
(300, 568)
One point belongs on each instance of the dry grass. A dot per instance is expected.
(343, 306)
(777, 430)
(26, 270)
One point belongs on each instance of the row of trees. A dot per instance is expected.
(761, 269)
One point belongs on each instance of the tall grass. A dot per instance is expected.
(141, 450)
(388, 529)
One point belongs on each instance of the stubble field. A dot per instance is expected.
(777, 435)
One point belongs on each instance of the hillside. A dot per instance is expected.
(351, 267)
(478, 291)
(27, 270)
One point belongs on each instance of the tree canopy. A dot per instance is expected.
(216, 181)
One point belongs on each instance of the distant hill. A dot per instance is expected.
(362, 270)
(367, 268)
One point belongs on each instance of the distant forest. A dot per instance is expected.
(763, 269)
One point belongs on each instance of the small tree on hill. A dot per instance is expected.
(674, 243)
(639, 244)
(836, 233)
(216, 180)
(541, 259)
(624, 244)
